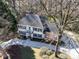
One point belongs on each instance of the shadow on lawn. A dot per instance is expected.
(20, 52)
(27, 53)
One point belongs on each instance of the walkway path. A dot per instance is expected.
(72, 52)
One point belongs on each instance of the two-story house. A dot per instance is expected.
(30, 26)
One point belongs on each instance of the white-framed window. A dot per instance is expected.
(22, 32)
(29, 28)
(39, 35)
(35, 35)
(39, 30)
(22, 27)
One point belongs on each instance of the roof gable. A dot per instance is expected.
(51, 25)
(32, 20)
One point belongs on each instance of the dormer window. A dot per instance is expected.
(35, 29)
(40, 30)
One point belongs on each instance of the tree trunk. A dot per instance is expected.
(57, 45)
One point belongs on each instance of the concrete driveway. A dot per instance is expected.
(72, 52)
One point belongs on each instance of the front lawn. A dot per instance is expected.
(21, 52)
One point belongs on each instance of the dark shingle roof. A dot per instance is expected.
(32, 20)
(51, 25)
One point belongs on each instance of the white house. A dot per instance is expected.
(30, 26)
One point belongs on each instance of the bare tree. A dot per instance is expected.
(63, 12)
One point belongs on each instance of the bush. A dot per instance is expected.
(14, 51)
(53, 57)
(20, 52)
(43, 51)
(49, 52)
(60, 56)
(63, 56)
(45, 57)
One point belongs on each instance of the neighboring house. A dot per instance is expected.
(30, 26)
(50, 29)
(45, 25)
